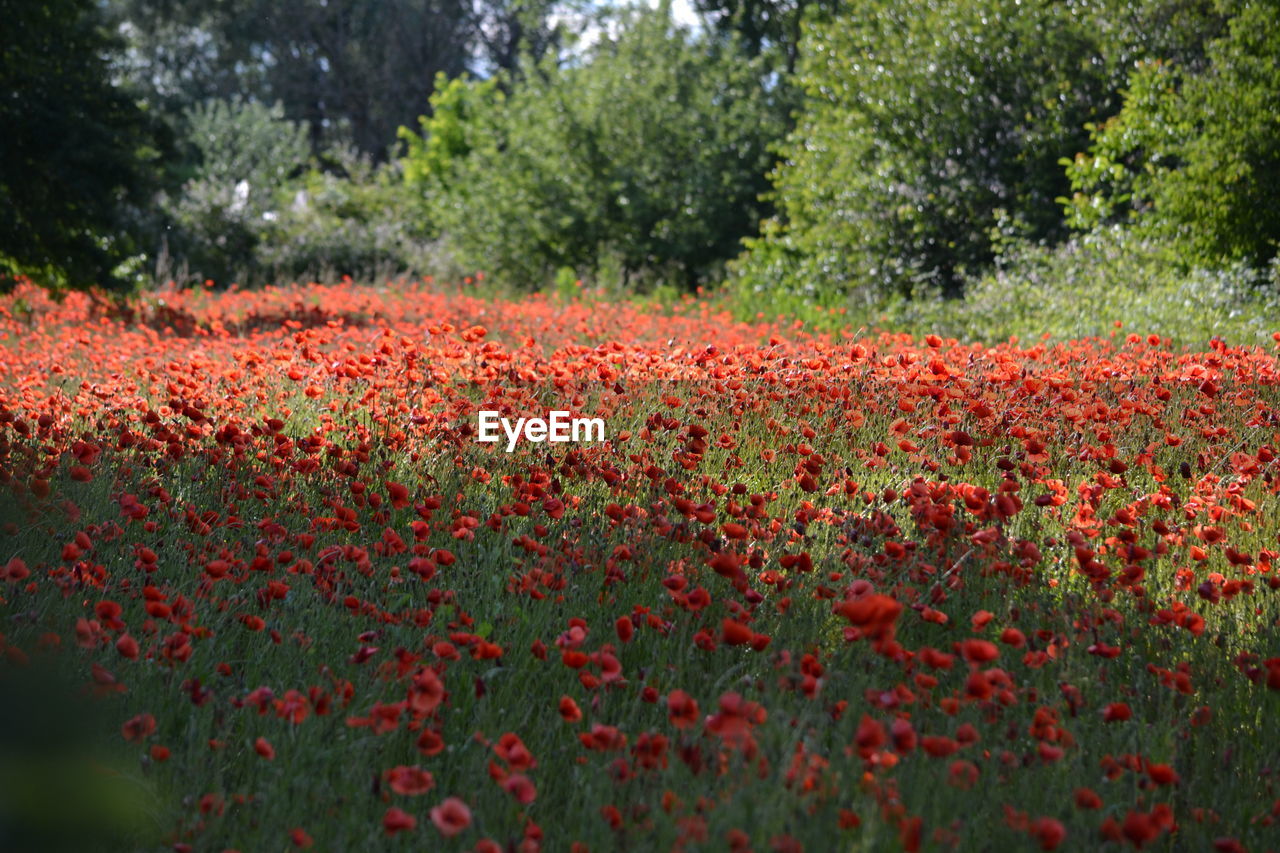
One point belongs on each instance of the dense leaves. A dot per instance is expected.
(766, 26)
(244, 154)
(648, 156)
(348, 71)
(76, 150)
(926, 126)
(1194, 154)
(256, 207)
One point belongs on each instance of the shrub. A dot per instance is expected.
(245, 153)
(353, 218)
(1082, 287)
(1087, 285)
(258, 207)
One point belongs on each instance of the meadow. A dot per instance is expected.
(262, 589)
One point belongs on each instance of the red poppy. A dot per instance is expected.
(513, 751)
(410, 781)
(682, 709)
(569, 710)
(519, 786)
(264, 748)
(1048, 833)
(451, 817)
(139, 728)
(397, 820)
(1116, 712)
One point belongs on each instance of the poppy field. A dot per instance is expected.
(262, 589)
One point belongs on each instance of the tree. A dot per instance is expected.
(1194, 154)
(348, 69)
(763, 25)
(76, 150)
(648, 156)
(925, 127)
(515, 33)
(245, 155)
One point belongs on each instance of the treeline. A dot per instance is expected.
(808, 151)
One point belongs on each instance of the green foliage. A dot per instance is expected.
(1195, 155)
(921, 124)
(459, 110)
(1083, 287)
(765, 25)
(1103, 183)
(258, 207)
(245, 154)
(1132, 32)
(350, 70)
(1114, 275)
(347, 219)
(648, 156)
(76, 151)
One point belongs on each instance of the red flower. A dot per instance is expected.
(735, 633)
(682, 710)
(870, 736)
(127, 647)
(397, 820)
(904, 736)
(513, 751)
(410, 781)
(399, 495)
(979, 651)
(15, 570)
(425, 693)
(1162, 774)
(1116, 712)
(1013, 637)
(874, 615)
(520, 787)
(139, 728)
(1088, 799)
(430, 742)
(1139, 828)
(569, 710)
(1048, 832)
(938, 747)
(451, 817)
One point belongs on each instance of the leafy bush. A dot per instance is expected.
(924, 126)
(1195, 155)
(245, 153)
(349, 219)
(1115, 275)
(259, 208)
(648, 156)
(1083, 287)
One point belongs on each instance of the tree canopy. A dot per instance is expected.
(77, 150)
(648, 155)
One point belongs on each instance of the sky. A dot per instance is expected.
(682, 11)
